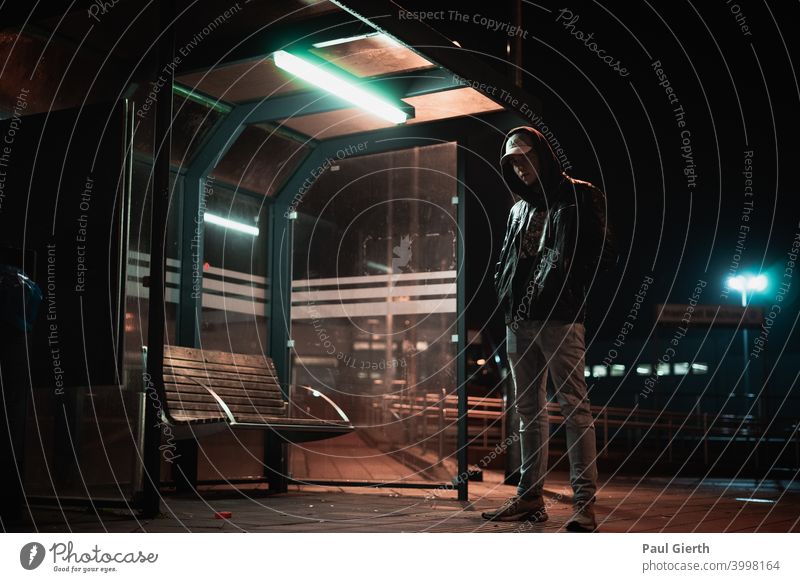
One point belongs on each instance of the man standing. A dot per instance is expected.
(557, 240)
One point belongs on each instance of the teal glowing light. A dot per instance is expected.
(338, 86)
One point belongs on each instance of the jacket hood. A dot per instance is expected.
(550, 176)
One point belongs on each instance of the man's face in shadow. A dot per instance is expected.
(527, 167)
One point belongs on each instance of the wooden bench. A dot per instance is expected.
(209, 387)
(207, 391)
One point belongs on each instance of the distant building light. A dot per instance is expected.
(422, 346)
(481, 362)
(748, 283)
(644, 369)
(599, 371)
(362, 345)
(586, 372)
(754, 500)
(745, 283)
(617, 369)
(699, 368)
(662, 369)
(681, 368)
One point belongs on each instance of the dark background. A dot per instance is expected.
(738, 92)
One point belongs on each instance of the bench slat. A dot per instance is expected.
(195, 365)
(254, 388)
(199, 365)
(213, 374)
(204, 396)
(230, 400)
(277, 420)
(196, 415)
(214, 356)
(190, 406)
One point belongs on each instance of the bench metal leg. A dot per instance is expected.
(184, 467)
(275, 467)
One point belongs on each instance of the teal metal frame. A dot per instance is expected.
(275, 109)
(281, 234)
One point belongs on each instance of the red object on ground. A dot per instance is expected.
(222, 515)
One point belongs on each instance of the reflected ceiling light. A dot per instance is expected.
(326, 80)
(346, 39)
(231, 224)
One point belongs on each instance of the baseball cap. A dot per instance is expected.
(518, 144)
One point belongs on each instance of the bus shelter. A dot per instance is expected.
(274, 209)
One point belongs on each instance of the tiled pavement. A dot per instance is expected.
(654, 505)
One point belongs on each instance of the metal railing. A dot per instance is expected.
(486, 422)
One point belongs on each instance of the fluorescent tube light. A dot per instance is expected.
(341, 88)
(232, 224)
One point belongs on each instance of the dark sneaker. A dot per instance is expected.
(519, 509)
(583, 519)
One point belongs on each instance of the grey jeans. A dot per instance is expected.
(536, 348)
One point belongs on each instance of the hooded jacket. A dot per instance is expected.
(576, 242)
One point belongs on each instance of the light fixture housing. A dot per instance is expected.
(338, 84)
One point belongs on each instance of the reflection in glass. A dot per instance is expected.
(373, 312)
(235, 272)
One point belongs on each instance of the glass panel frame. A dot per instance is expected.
(394, 420)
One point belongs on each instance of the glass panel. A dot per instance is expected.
(599, 371)
(137, 304)
(136, 308)
(681, 368)
(373, 312)
(191, 124)
(260, 160)
(698, 368)
(86, 448)
(235, 272)
(662, 369)
(644, 369)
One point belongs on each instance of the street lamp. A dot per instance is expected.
(744, 284)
